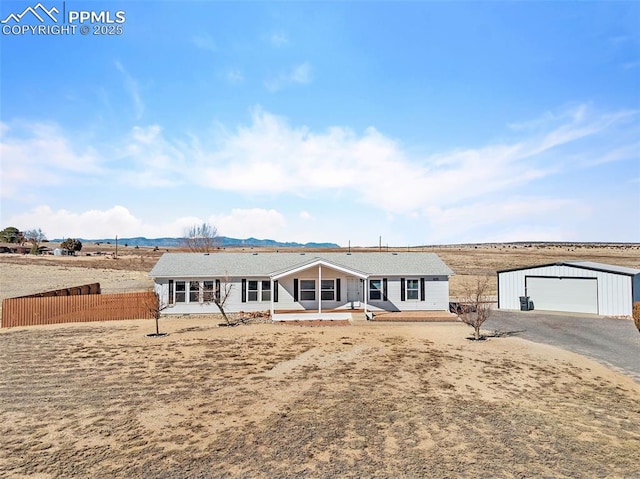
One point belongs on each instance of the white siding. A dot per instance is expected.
(233, 303)
(614, 290)
(436, 295)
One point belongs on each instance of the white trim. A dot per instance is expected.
(319, 293)
(319, 262)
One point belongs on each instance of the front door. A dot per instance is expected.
(353, 290)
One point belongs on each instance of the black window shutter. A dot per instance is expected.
(275, 291)
(295, 289)
(384, 289)
(421, 289)
(402, 289)
(217, 293)
(170, 291)
(244, 290)
(337, 289)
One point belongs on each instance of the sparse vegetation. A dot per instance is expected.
(279, 401)
(636, 314)
(35, 237)
(475, 307)
(285, 402)
(12, 234)
(201, 238)
(72, 245)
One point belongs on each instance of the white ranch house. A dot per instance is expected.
(302, 282)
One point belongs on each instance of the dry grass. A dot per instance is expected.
(281, 401)
(363, 400)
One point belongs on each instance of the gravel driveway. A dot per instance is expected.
(614, 342)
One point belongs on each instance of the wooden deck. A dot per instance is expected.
(358, 314)
(416, 316)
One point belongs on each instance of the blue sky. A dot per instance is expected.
(418, 122)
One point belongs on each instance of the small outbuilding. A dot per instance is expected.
(571, 286)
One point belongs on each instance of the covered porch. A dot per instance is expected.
(319, 290)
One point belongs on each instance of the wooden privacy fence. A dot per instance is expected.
(34, 311)
(93, 288)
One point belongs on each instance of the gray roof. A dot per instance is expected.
(197, 265)
(608, 268)
(611, 268)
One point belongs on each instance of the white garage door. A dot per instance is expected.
(578, 295)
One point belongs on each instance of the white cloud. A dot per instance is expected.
(252, 222)
(38, 154)
(64, 223)
(460, 191)
(204, 41)
(269, 156)
(299, 74)
(234, 76)
(521, 214)
(118, 220)
(279, 39)
(151, 160)
(132, 87)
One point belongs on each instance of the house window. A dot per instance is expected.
(208, 291)
(307, 290)
(413, 289)
(328, 290)
(194, 292)
(181, 290)
(266, 291)
(375, 289)
(252, 290)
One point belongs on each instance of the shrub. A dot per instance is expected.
(636, 314)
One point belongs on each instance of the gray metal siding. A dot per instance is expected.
(614, 290)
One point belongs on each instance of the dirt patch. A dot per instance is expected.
(265, 400)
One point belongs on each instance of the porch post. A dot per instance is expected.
(319, 289)
(272, 294)
(364, 293)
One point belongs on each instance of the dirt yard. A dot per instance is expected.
(366, 400)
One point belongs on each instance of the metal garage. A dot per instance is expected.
(573, 286)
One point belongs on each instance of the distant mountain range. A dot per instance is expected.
(224, 242)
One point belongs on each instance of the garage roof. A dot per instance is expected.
(608, 268)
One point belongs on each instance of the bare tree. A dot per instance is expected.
(474, 308)
(201, 238)
(219, 297)
(35, 237)
(154, 306)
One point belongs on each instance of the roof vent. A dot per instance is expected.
(255, 254)
(206, 254)
(302, 254)
(348, 254)
(394, 254)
